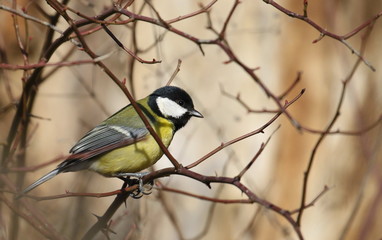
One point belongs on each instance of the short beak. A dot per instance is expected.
(195, 113)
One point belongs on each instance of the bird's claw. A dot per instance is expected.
(142, 189)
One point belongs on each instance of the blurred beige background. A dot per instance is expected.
(77, 98)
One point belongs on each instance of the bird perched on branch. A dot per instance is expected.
(121, 145)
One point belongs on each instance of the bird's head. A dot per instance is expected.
(174, 104)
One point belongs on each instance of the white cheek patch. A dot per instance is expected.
(169, 108)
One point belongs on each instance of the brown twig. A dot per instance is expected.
(250, 163)
(257, 131)
(177, 69)
(58, 64)
(201, 197)
(311, 204)
(29, 17)
(193, 14)
(291, 87)
(228, 18)
(324, 32)
(328, 128)
(244, 103)
(126, 49)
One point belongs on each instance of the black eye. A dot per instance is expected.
(180, 102)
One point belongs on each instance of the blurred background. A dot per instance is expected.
(73, 99)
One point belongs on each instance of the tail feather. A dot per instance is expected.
(43, 179)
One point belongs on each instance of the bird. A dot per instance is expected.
(121, 145)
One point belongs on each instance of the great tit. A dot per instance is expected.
(122, 145)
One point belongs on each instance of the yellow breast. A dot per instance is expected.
(137, 156)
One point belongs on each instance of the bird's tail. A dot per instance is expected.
(43, 179)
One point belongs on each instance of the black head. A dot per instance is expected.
(174, 104)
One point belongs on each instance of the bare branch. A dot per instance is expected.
(324, 32)
(177, 69)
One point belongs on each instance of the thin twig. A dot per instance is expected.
(29, 17)
(311, 204)
(324, 32)
(291, 87)
(257, 131)
(202, 10)
(177, 69)
(329, 127)
(58, 64)
(126, 49)
(250, 163)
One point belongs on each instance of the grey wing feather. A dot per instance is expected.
(106, 135)
(100, 140)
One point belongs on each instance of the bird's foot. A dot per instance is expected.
(142, 189)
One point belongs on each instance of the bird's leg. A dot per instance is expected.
(140, 175)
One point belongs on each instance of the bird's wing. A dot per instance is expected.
(102, 139)
(106, 135)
